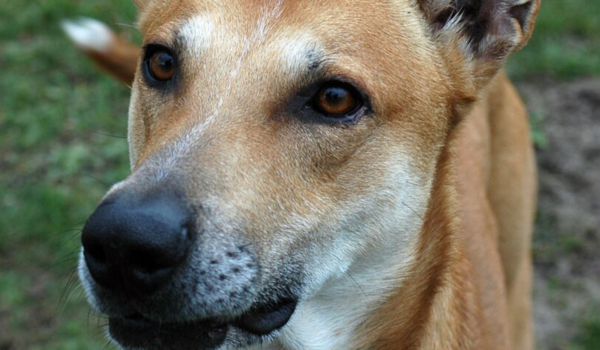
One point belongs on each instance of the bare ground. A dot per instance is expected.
(567, 235)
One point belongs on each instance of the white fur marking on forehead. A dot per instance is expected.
(299, 52)
(196, 33)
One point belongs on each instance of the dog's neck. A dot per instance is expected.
(372, 308)
(438, 309)
(331, 318)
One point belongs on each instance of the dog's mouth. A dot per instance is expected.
(137, 331)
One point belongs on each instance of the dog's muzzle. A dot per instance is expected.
(165, 287)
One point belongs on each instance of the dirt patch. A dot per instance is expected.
(567, 235)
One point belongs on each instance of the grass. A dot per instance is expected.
(537, 134)
(62, 128)
(588, 337)
(56, 162)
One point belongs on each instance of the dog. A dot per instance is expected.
(317, 175)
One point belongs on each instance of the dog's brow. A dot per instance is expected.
(195, 34)
(314, 66)
(315, 60)
(302, 55)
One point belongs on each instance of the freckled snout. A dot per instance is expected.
(135, 243)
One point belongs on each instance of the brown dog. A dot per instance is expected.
(317, 175)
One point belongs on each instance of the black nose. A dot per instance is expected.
(136, 244)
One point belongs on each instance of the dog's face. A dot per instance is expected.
(274, 144)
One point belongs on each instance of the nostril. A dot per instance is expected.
(145, 262)
(96, 252)
(97, 261)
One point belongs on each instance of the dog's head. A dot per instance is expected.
(275, 145)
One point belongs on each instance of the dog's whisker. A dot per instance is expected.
(110, 135)
(108, 343)
(66, 302)
(70, 254)
(355, 282)
(71, 284)
(126, 25)
(96, 178)
(60, 233)
(73, 236)
(413, 210)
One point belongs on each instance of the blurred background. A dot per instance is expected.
(62, 143)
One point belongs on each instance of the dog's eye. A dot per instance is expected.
(337, 99)
(161, 65)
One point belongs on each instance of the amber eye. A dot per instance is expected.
(161, 66)
(337, 99)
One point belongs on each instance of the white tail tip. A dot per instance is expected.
(89, 34)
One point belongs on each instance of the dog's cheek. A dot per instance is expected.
(387, 211)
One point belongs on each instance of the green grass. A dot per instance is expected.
(57, 158)
(537, 134)
(588, 337)
(56, 162)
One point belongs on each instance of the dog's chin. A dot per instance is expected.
(138, 332)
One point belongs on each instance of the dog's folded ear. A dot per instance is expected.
(110, 52)
(485, 31)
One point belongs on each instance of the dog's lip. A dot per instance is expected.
(266, 319)
(138, 331)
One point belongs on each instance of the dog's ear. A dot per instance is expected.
(485, 32)
(110, 52)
